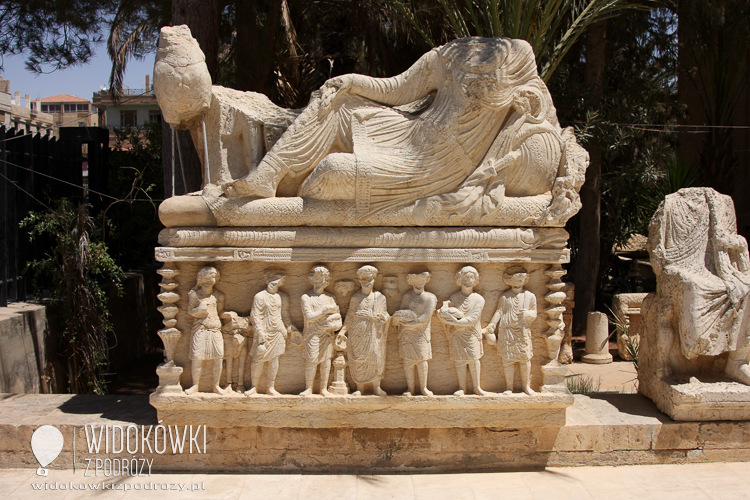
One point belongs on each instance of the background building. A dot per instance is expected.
(24, 115)
(135, 108)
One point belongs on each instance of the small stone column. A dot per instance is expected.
(168, 372)
(338, 386)
(597, 339)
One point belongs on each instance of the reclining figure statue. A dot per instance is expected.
(468, 126)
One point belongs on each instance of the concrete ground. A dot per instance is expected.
(715, 481)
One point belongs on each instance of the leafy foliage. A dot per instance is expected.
(632, 122)
(55, 33)
(135, 173)
(77, 263)
(552, 27)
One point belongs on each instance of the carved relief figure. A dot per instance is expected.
(366, 328)
(236, 332)
(462, 315)
(205, 304)
(322, 320)
(414, 321)
(270, 316)
(703, 277)
(516, 310)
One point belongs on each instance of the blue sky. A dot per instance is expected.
(80, 81)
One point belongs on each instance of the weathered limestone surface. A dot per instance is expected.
(467, 136)
(695, 340)
(456, 170)
(22, 347)
(603, 430)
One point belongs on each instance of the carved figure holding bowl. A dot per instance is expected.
(414, 320)
(462, 315)
(270, 317)
(366, 328)
(322, 320)
(516, 310)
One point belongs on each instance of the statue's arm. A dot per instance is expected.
(473, 314)
(429, 310)
(414, 83)
(196, 308)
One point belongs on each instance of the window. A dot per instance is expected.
(76, 108)
(154, 116)
(128, 117)
(50, 108)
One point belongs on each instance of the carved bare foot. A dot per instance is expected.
(211, 191)
(251, 391)
(228, 390)
(407, 394)
(480, 392)
(528, 390)
(508, 392)
(192, 390)
(426, 391)
(459, 392)
(273, 392)
(357, 393)
(254, 184)
(306, 392)
(219, 390)
(737, 369)
(324, 392)
(380, 392)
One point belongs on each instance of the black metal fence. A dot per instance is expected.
(33, 170)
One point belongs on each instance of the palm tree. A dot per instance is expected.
(552, 27)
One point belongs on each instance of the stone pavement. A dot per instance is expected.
(715, 481)
(618, 376)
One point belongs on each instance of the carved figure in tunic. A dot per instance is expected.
(414, 320)
(462, 315)
(236, 332)
(703, 277)
(366, 328)
(322, 320)
(516, 310)
(205, 305)
(270, 316)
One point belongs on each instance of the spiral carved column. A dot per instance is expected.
(168, 372)
(554, 372)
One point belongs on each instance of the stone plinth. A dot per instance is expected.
(503, 411)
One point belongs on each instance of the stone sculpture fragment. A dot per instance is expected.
(206, 305)
(516, 310)
(462, 315)
(322, 320)
(270, 316)
(414, 321)
(366, 329)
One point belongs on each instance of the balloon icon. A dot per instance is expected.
(46, 443)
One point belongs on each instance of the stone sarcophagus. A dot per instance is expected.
(389, 256)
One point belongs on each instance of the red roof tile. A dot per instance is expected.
(64, 98)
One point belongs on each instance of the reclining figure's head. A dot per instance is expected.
(182, 83)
